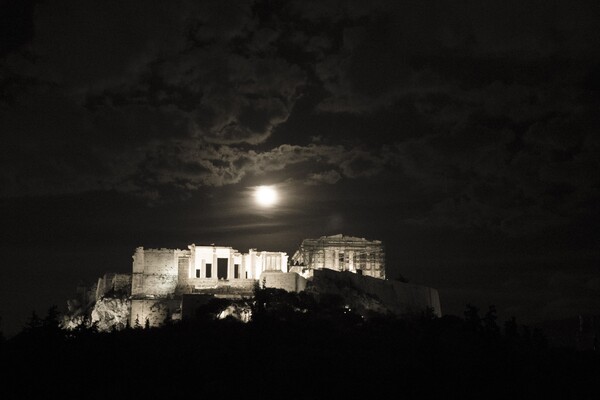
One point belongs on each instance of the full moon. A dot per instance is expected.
(265, 196)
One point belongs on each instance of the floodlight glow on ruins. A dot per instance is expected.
(265, 196)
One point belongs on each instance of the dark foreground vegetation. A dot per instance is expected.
(324, 351)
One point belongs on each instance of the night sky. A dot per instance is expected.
(463, 134)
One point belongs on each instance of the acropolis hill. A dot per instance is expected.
(168, 285)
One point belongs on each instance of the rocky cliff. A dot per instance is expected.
(111, 313)
(367, 294)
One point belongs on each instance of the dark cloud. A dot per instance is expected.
(431, 124)
(494, 126)
(503, 179)
(329, 177)
(16, 25)
(93, 45)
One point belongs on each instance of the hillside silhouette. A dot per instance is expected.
(296, 347)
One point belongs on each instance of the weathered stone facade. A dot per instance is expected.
(111, 283)
(290, 282)
(340, 253)
(163, 275)
(107, 303)
(170, 284)
(366, 294)
(111, 313)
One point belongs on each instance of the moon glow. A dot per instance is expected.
(265, 196)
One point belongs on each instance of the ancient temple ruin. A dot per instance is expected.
(340, 253)
(169, 284)
(163, 277)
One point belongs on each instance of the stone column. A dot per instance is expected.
(215, 268)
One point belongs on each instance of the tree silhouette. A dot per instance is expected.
(51, 321)
(472, 319)
(320, 338)
(489, 321)
(260, 301)
(428, 314)
(85, 327)
(539, 340)
(34, 322)
(526, 335)
(511, 328)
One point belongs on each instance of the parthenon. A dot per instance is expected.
(340, 253)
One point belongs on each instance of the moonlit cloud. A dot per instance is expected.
(488, 131)
(329, 177)
(444, 127)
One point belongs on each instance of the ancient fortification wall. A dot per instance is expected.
(122, 282)
(399, 297)
(290, 281)
(164, 282)
(111, 282)
(155, 271)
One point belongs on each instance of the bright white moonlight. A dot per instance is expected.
(265, 196)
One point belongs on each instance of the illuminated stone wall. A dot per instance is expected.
(206, 261)
(165, 272)
(101, 286)
(292, 282)
(398, 297)
(155, 271)
(340, 253)
(112, 282)
(201, 283)
(260, 261)
(122, 282)
(162, 276)
(225, 263)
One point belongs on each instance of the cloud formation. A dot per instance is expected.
(485, 128)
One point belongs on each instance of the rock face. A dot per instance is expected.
(111, 313)
(240, 312)
(111, 304)
(367, 294)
